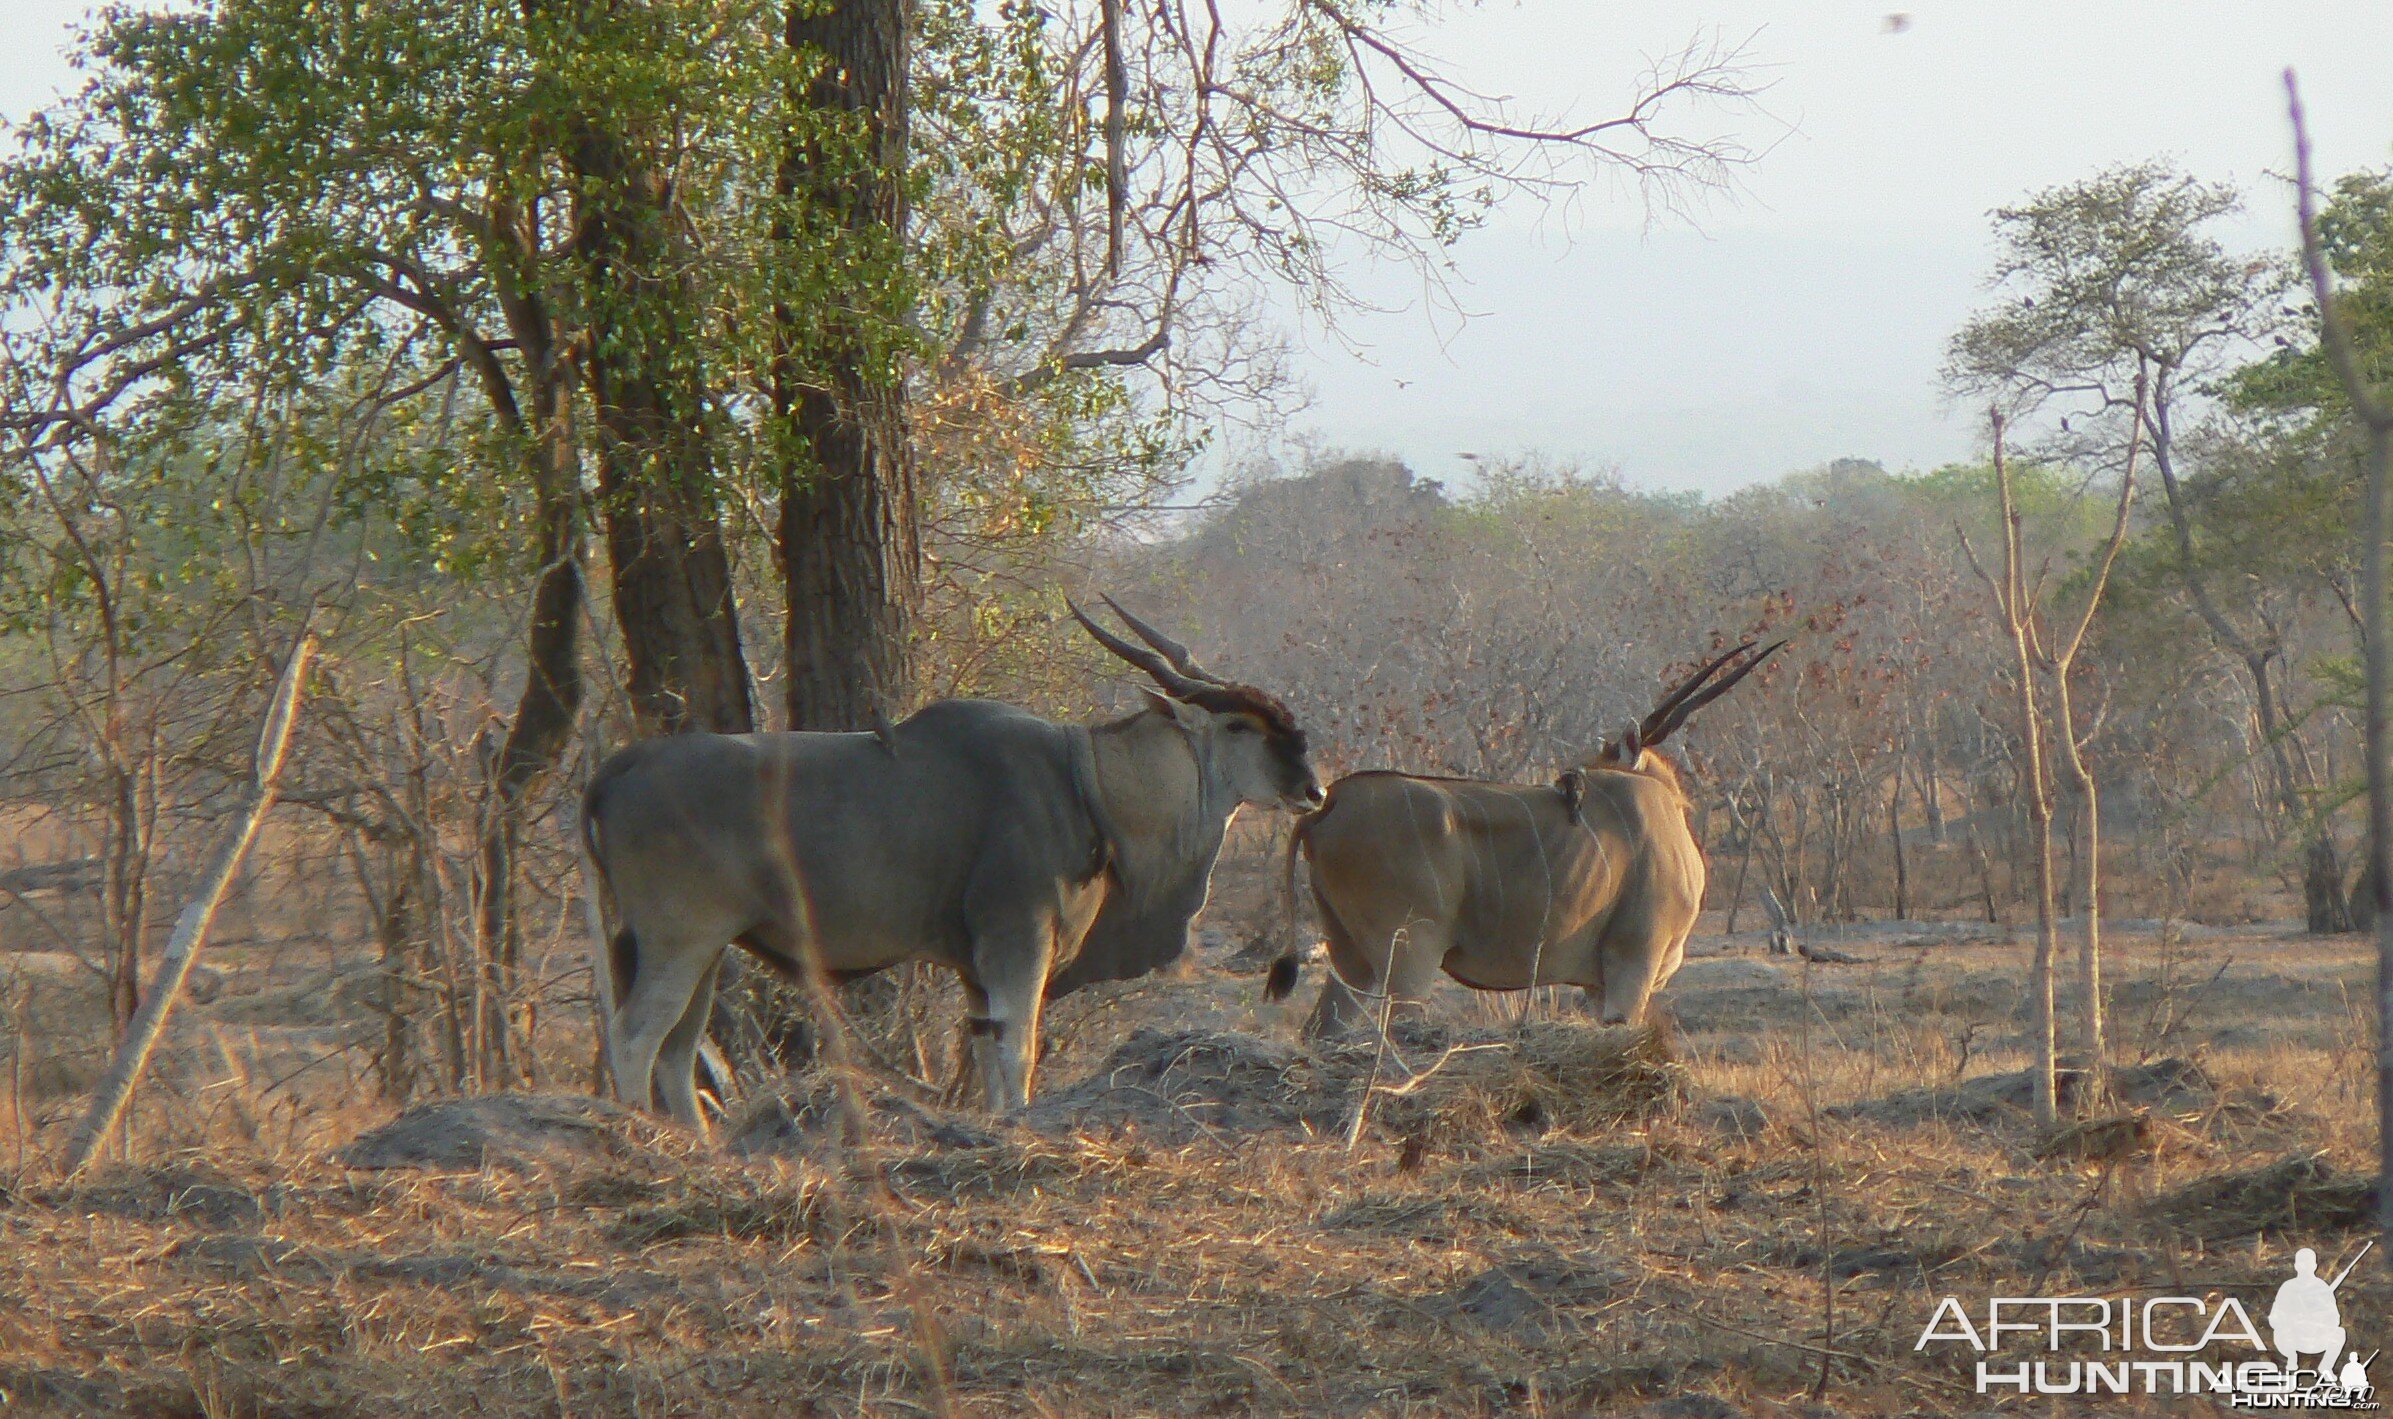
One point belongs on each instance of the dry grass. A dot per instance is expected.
(1556, 1220)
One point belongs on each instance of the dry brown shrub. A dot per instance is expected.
(1547, 1077)
(2105, 1139)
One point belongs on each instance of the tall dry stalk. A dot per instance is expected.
(20, 1006)
(1821, 1220)
(2373, 412)
(838, 1056)
(2018, 613)
(1379, 1053)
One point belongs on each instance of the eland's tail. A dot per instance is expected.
(1288, 966)
(614, 960)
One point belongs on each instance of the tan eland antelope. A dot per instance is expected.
(1593, 881)
(1028, 856)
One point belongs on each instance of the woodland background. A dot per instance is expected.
(580, 371)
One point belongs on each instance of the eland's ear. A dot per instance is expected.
(1186, 715)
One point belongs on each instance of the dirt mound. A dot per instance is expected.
(514, 1131)
(2105, 1138)
(1733, 1117)
(1179, 1085)
(804, 1115)
(2299, 1195)
(196, 1195)
(699, 1203)
(1455, 1088)
(2170, 1085)
(1526, 1295)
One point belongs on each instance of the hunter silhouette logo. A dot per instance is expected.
(2095, 1345)
(2305, 1319)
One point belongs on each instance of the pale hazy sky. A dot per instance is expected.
(1804, 320)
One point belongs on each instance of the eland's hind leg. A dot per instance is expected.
(1405, 973)
(1338, 1011)
(1340, 1008)
(676, 1072)
(668, 971)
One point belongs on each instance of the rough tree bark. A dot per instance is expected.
(125, 917)
(848, 545)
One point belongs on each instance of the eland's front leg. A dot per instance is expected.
(1011, 964)
(1632, 971)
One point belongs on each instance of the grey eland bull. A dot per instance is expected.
(1592, 881)
(1028, 856)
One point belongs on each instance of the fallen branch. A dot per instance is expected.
(1398, 1091)
(191, 928)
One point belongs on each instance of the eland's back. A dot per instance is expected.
(849, 845)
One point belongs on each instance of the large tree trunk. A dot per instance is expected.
(673, 597)
(2324, 906)
(656, 474)
(1931, 794)
(848, 542)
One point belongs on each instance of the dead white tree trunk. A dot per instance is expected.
(2061, 660)
(191, 928)
(2374, 414)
